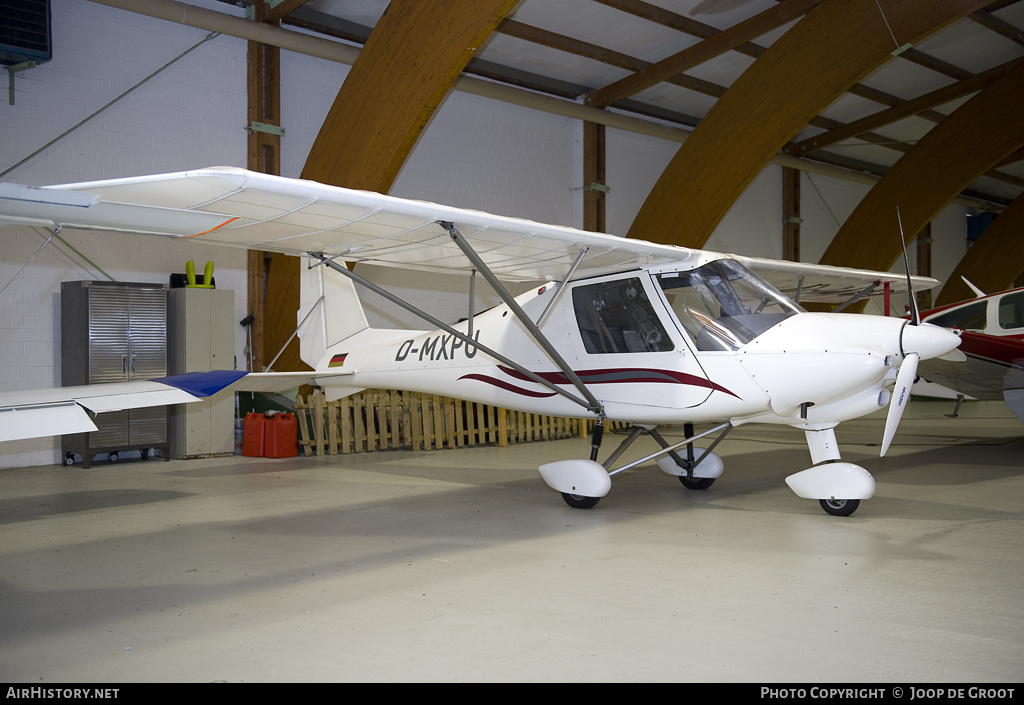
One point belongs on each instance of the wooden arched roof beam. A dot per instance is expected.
(772, 100)
(408, 65)
(1013, 158)
(994, 261)
(975, 137)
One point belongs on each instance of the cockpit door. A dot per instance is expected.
(632, 353)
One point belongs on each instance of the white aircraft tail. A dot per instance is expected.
(329, 312)
(977, 292)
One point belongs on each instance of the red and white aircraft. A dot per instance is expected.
(614, 328)
(992, 338)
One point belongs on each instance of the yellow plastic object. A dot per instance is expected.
(190, 275)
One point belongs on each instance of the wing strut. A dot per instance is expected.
(855, 298)
(560, 287)
(590, 403)
(538, 337)
(472, 300)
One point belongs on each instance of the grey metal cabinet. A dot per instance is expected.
(201, 338)
(114, 332)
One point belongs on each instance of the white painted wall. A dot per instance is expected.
(476, 153)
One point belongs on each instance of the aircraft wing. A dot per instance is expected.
(60, 410)
(995, 364)
(835, 285)
(230, 206)
(236, 207)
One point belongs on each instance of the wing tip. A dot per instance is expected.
(203, 384)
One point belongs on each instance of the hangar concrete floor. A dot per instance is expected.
(462, 566)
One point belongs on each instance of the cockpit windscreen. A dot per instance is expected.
(723, 305)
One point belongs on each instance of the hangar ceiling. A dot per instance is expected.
(672, 60)
(853, 86)
(856, 87)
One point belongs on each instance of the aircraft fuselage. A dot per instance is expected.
(624, 338)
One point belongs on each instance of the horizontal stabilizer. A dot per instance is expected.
(283, 381)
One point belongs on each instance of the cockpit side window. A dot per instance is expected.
(1011, 311)
(972, 317)
(617, 317)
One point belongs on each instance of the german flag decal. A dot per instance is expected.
(338, 360)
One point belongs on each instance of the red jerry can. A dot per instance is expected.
(253, 432)
(281, 436)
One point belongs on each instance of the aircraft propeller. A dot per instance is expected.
(913, 341)
(900, 397)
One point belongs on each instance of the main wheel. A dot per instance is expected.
(578, 501)
(696, 483)
(839, 507)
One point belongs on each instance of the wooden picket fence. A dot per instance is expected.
(377, 419)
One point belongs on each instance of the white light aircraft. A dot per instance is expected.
(617, 328)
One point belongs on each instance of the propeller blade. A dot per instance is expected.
(915, 314)
(900, 397)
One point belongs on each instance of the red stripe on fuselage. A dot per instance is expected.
(625, 375)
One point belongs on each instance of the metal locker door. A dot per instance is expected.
(147, 324)
(108, 334)
(148, 426)
(113, 430)
(147, 358)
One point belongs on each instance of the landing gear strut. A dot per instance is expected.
(688, 480)
(831, 478)
(579, 501)
(582, 483)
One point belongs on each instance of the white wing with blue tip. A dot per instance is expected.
(52, 412)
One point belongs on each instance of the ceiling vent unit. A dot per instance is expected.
(25, 32)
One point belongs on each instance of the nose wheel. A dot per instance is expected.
(839, 507)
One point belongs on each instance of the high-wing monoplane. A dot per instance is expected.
(992, 339)
(612, 328)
